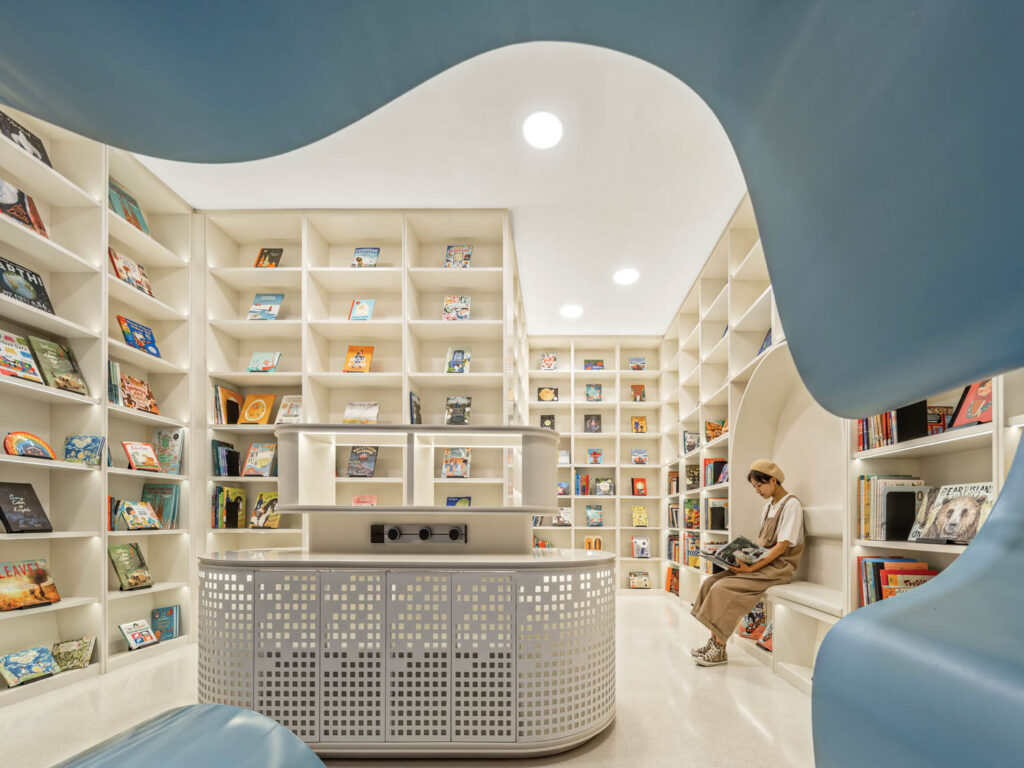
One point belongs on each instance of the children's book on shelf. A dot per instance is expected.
(138, 336)
(672, 547)
(114, 382)
(766, 638)
(639, 580)
(639, 486)
(765, 343)
(955, 514)
(365, 257)
(457, 409)
(166, 622)
(881, 516)
(595, 455)
(595, 515)
(260, 461)
(592, 392)
(21, 207)
(265, 306)
(358, 358)
(593, 543)
(268, 258)
(593, 364)
(290, 410)
(459, 501)
(73, 654)
(547, 420)
(873, 584)
(563, 456)
(673, 482)
(22, 284)
(361, 309)
(129, 271)
(168, 444)
(23, 138)
(716, 514)
(641, 546)
(136, 516)
(28, 664)
(563, 518)
(547, 394)
(592, 423)
(975, 406)
(713, 429)
(673, 515)
(562, 488)
(256, 409)
(264, 511)
(458, 359)
(163, 499)
(638, 455)
(84, 449)
(457, 462)
(753, 624)
(135, 393)
(138, 634)
(458, 256)
(228, 405)
(938, 418)
(126, 206)
(227, 462)
(672, 580)
(739, 550)
(723, 476)
(130, 566)
(638, 513)
(638, 424)
(21, 511)
(141, 456)
(360, 413)
(604, 486)
(27, 444)
(638, 393)
(415, 410)
(582, 485)
(713, 470)
(362, 461)
(58, 366)
(228, 507)
(263, 362)
(365, 500)
(637, 363)
(691, 441)
(691, 513)
(548, 361)
(456, 307)
(16, 358)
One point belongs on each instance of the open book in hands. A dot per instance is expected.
(739, 550)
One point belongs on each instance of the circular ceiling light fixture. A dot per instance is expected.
(626, 276)
(571, 311)
(542, 130)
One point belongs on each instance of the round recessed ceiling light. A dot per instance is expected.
(571, 311)
(626, 276)
(542, 130)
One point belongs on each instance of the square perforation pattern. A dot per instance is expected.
(287, 609)
(352, 656)
(225, 636)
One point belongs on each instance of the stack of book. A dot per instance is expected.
(883, 577)
(673, 547)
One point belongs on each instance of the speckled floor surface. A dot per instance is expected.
(671, 713)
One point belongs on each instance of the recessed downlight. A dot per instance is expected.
(571, 311)
(626, 276)
(542, 130)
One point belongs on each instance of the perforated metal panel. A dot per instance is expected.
(483, 668)
(352, 656)
(287, 609)
(225, 636)
(417, 666)
(566, 657)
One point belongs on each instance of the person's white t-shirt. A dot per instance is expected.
(791, 526)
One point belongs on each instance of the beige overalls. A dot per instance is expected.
(727, 597)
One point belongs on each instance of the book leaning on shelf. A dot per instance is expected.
(24, 285)
(21, 207)
(228, 507)
(21, 511)
(130, 272)
(26, 584)
(130, 566)
(739, 550)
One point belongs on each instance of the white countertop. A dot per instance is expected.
(296, 557)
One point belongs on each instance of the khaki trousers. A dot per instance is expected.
(727, 597)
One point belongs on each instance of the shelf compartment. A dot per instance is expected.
(118, 350)
(144, 417)
(64, 604)
(720, 352)
(147, 305)
(951, 441)
(259, 278)
(50, 255)
(42, 320)
(12, 387)
(21, 692)
(258, 330)
(158, 586)
(41, 181)
(753, 266)
(758, 317)
(149, 251)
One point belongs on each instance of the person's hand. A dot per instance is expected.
(743, 568)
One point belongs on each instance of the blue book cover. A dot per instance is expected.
(365, 257)
(265, 306)
(459, 501)
(84, 449)
(163, 498)
(165, 622)
(22, 666)
(138, 335)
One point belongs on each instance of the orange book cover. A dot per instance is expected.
(358, 359)
(256, 409)
(365, 500)
(230, 405)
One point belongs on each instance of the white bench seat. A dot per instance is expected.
(817, 596)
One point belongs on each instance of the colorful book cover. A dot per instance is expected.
(595, 515)
(130, 566)
(639, 580)
(604, 486)
(563, 518)
(256, 409)
(58, 365)
(547, 420)
(263, 362)
(138, 336)
(459, 501)
(268, 258)
(753, 624)
(975, 406)
(265, 306)
(548, 361)
(547, 394)
(637, 363)
(691, 441)
(27, 444)
(84, 449)
(639, 455)
(229, 507)
(458, 256)
(593, 364)
(362, 461)
(74, 654)
(163, 499)
(165, 622)
(457, 462)
(20, 207)
(358, 358)
(956, 514)
(415, 412)
(593, 393)
(168, 444)
(639, 516)
(30, 664)
(360, 413)
(24, 138)
(20, 509)
(456, 308)
(361, 309)
(126, 206)
(638, 393)
(138, 634)
(638, 424)
(264, 511)
(641, 546)
(365, 257)
(135, 393)
(457, 409)
(562, 488)
(290, 410)
(259, 462)
(16, 358)
(765, 343)
(127, 270)
(141, 456)
(26, 583)
(592, 423)
(458, 359)
(595, 455)
(228, 405)
(365, 500)
(24, 285)
(136, 516)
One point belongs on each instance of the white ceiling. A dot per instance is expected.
(645, 176)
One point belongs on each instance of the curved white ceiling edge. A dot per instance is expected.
(644, 176)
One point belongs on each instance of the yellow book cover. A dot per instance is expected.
(358, 358)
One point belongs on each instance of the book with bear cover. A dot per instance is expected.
(21, 511)
(130, 566)
(955, 513)
(24, 285)
(26, 584)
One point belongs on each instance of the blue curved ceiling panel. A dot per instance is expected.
(879, 139)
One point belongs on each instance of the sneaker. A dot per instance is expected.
(713, 656)
(703, 649)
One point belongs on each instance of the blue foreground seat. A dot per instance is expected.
(201, 736)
